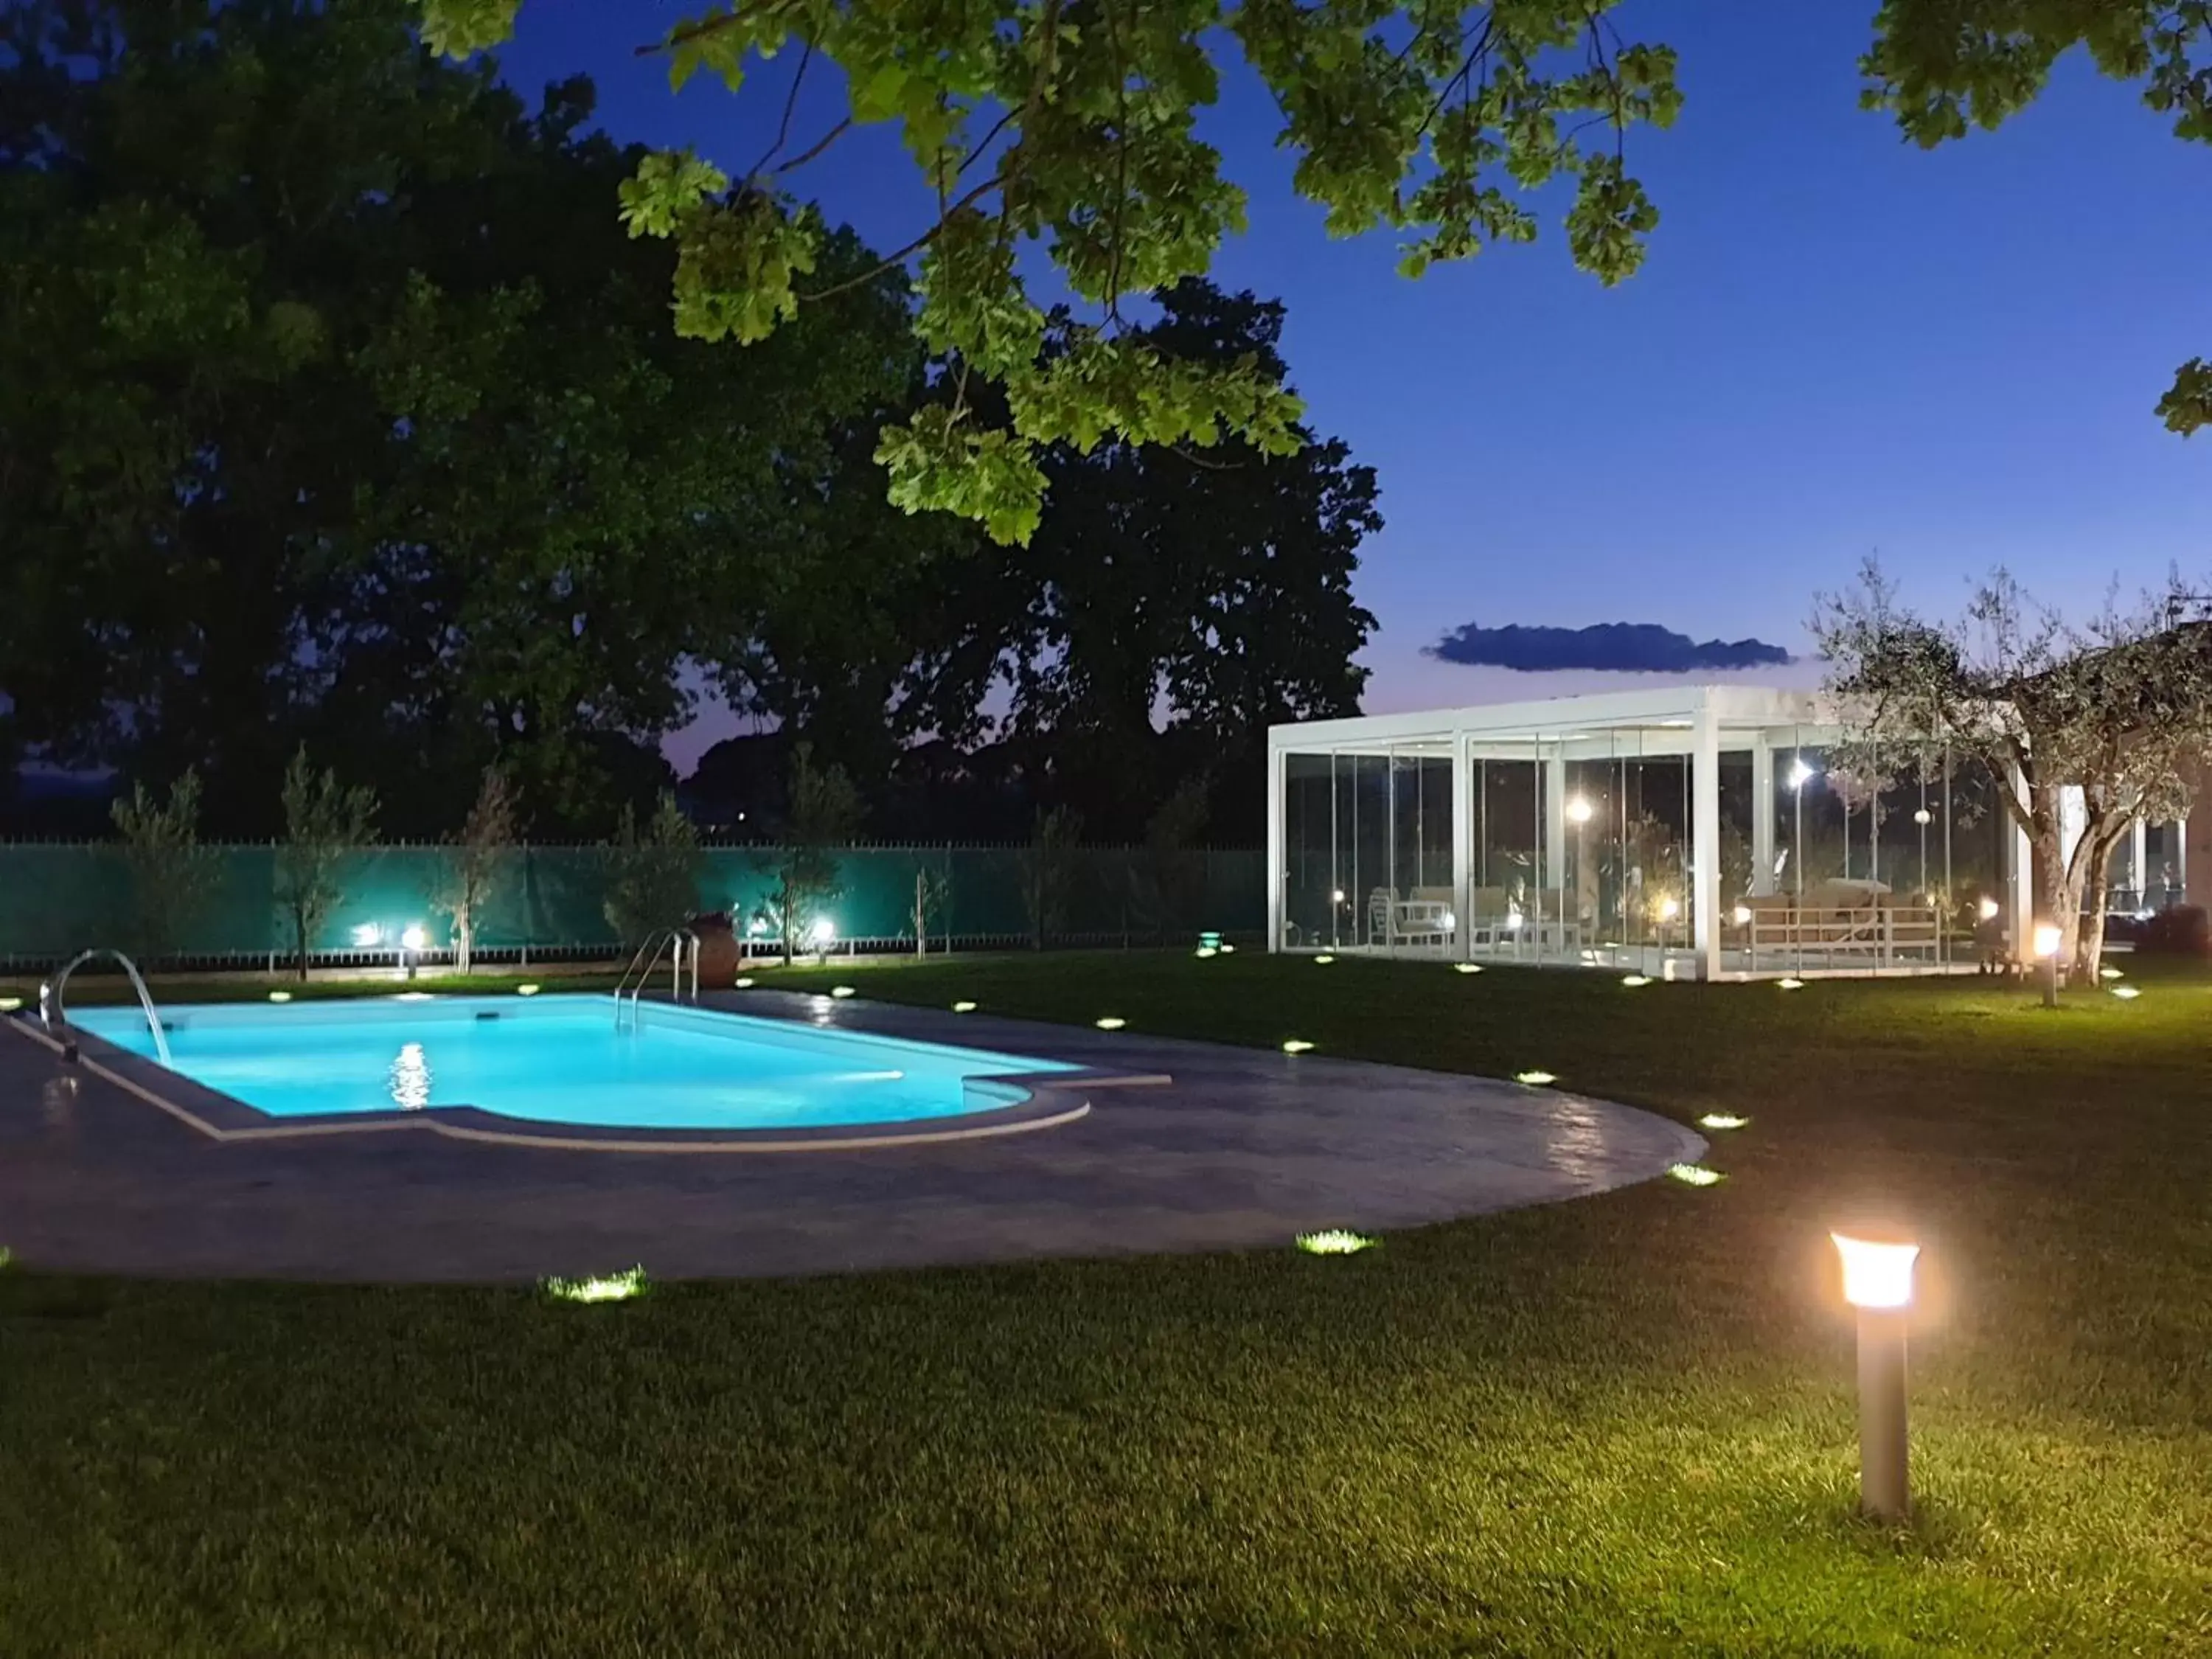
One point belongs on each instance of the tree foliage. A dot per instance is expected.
(1072, 129)
(1944, 66)
(653, 874)
(2118, 708)
(822, 815)
(474, 867)
(172, 875)
(324, 821)
(337, 406)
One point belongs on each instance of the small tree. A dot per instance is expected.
(932, 899)
(653, 878)
(170, 873)
(2120, 710)
(822, 814)
(1048, 870)
(1164, 877)
(324, 821)
(472, 872)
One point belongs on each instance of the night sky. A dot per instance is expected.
(1840, 344)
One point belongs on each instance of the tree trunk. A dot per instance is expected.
(463, 941)
(300, 939)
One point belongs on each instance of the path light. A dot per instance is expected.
(2109, 972)
(1334, 1241)
(1695, 1175)
(1534, 1079)
(1721, 1121)
(963, 1007)
(530, 990)
(1878, 1282)
(1112, 1022)
(280, 996)
(841, 992)
(10, 1005)
(1791, 984)
(2047, 939)
(2126, 992)
(1297, 1046)
(606, 1287)
(740, 984)
(412, 939)
(1207, 951)
(1323, 960)
(1634, 980)
(1466, 967)
(1228, 949)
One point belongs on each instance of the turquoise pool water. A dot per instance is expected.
(560, 1059)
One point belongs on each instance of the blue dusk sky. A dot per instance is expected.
(1840, 344)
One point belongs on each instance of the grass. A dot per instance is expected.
(1620, 1425)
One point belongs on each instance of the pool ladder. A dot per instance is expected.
(57, 1017)
(681, 946)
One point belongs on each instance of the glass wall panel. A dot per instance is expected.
(1505, 825)
(1313, 899)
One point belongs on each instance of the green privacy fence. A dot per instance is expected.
(58, 899)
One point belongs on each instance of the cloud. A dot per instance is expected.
(1615, 647)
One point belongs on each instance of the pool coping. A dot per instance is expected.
(1049, 1099)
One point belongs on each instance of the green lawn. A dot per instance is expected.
(1620, 1425)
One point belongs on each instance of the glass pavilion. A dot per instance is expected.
(1685, 831)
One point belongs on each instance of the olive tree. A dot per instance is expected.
(171, 873)
(652, 873)
(823, 814)
(473, 869)
(324, 821)
(2118, 708)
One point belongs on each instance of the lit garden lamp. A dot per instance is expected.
(412, 941)
(1878, 1282)
(2046, 948)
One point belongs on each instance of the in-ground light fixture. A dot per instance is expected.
(1878, 1282)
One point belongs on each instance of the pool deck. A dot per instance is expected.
(1242, 1147)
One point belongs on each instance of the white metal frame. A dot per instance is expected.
(1699, 721)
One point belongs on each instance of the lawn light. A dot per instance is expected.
(841, 992)
(2047, 938)
(1790, 983)
(1228, 949)
(1801, 773)
(1721, 1121)
(2110, 972)
(1578, 810)
(1695, 1175)
(2126, 992)
(599, 1287)
(10, 1005)
(1740, 915)
(1878, 1282)
(1297, 1046)
(280, 996)
(1206, 952)
(1634, 980)
(1209, 940)
(1533, 1080)
(741, 983)
(367, 936)
(1323, 960)
(1334, 1241)
(530, 990)
(1669, 909)
(1112, 1022)
(412, 939)
(821, 935)
(963, 1007)
(1923, 817)
(1466, 967)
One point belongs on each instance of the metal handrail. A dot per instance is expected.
(56, 1015)
(658, 942)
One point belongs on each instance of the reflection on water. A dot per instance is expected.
(411, 1079)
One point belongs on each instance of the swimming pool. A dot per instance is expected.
(562, 1059)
